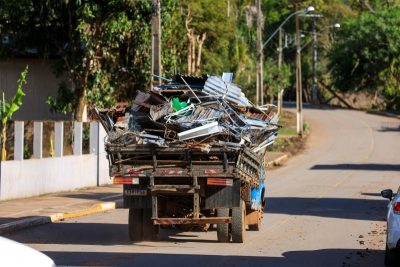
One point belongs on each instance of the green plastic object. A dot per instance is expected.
(177, 105)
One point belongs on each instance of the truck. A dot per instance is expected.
(185, 184)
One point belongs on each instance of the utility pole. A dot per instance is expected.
(156, 43)
(280, 49)
(299, 93)
(280, 60)
(314, 89)
(260, 57)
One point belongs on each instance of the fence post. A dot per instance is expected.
(58, 138)
(38, 139)
(78, 131)
(18, 140)
(94, 138)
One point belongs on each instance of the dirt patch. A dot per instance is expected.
(288, 141)
(291, 145)
(363, 100)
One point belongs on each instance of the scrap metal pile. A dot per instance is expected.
(195, 112)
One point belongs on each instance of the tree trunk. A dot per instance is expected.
(80, 105)
(189, 55)
(200, 43)
(190, 37)
(193, 56)
(80, 92)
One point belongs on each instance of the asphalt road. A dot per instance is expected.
(323, 209)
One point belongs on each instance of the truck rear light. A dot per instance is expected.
(396, 207)
(125, 180)
(220, 181)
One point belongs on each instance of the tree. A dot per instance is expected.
(276, 79)
(103, 46)
(108, 53)
(7, 109)
(366, 55)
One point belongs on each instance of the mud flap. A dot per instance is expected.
(223, 196)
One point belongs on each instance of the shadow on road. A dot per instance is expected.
(345, 208)
(92, 196)
(323, 257)
(389, 129)
(103, 234)
(75, 233)
(357, 167)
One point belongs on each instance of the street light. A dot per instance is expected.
(337, 25)
(298, 62)
(305, 11)
(314, 88)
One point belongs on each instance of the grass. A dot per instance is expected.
(288, 141)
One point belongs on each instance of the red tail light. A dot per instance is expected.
(218, 181)
(396, 207)
(124, 180)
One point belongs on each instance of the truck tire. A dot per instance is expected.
(223, 234)
(257, 226)
(239, 223)
(135, 224)
(150, 231)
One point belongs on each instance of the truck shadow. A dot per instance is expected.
(323, 257)
(101, 234)
(345, 208)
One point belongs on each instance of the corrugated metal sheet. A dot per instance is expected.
(217, 87)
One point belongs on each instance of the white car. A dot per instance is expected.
(16, 254)
(392, 252)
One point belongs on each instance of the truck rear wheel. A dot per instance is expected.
(239, 223)
(223, 234)
(135, 224)
(150, 231)
(257, 225)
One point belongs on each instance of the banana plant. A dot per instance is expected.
(7, 109)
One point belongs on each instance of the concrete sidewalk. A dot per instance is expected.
(22, 213)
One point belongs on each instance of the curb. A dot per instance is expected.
(278, 161)
(40, 220)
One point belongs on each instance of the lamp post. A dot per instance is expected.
(314, 87)
(299, 90)
(260, 57)
(298, 63)
(303, 11)
(156, 43)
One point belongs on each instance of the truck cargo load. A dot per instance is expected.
(190, 152)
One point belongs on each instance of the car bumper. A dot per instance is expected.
(393, 238)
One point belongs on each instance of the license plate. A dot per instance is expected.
(135, 192)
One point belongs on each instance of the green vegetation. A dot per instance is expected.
(104, 47)
(288, 141)
(367, 55)
(287, 121)
(8, 108)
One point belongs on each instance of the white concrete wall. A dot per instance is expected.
(26, 178)
(34, 177)
(103, 172)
